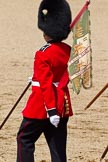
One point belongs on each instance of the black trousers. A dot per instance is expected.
(29, 132)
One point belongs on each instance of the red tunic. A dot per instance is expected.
(50, 65)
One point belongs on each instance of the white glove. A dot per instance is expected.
(54, 120)
(29, 79)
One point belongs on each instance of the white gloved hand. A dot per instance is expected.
(54, 120)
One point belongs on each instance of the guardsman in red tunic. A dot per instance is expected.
(48, 107)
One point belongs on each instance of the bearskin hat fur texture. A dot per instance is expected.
(54, 18)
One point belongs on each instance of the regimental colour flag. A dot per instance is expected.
(80, 63)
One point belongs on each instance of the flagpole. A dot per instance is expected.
(104, 153)
(79, 14)
(98, 94)
(15, 105)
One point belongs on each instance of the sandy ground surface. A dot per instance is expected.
(19, 39)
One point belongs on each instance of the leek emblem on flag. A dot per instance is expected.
(80, 63)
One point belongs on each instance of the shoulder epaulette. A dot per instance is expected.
(45, 47)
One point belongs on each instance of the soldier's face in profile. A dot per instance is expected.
(46, 37)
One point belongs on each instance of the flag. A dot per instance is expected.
(80, 63)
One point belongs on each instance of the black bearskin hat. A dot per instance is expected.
(54, 18)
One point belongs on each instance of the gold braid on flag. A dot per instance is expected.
(80, 63)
